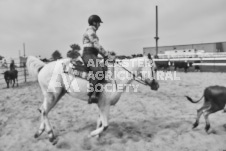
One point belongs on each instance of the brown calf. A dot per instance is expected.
(214, 100)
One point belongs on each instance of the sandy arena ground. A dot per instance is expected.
(142, 121)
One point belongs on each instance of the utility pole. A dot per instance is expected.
(25, 73)
(156, 37)
(24, 48)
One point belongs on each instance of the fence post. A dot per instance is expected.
(25, 75)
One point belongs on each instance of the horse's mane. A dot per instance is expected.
(134, 59)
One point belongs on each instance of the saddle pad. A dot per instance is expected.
(77, 70)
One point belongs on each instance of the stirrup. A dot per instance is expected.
(93, 99)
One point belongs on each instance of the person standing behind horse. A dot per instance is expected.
(91, 50)
(12, 65)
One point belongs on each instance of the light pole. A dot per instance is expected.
(156, 37)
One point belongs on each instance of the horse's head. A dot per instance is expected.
(148, 72)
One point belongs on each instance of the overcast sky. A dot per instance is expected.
(129, 25)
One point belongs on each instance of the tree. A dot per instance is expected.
(75, 47)
(56, 55)
(74, 53)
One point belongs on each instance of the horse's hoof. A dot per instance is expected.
(53, 140)
(39, 110)
(207, 128)
(91, 135)
(97, 136)
(195, 125)
(36, 135)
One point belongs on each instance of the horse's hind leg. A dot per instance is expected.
(13, 82)
(42, 126)
(7, 82)
(199, 113)
(206, 116)
(45, 124)
(43, 113)
(45, 108)
(49, 102)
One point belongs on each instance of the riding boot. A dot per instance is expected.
(90, 100)
(93, 98)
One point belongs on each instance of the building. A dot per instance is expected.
(207, 47)
(210, 57)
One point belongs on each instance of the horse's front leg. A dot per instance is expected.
(99, 124)
(7, 83)
(102, 122)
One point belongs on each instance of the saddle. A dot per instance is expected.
(77, 68)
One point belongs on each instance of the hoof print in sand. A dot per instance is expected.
(63, 145)
(86, 144)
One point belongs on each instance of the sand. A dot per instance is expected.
(142, 121)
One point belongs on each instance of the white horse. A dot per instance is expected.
(55, 83)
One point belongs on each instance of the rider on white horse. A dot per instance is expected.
(91, 50)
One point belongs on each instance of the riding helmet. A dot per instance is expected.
(94, 18)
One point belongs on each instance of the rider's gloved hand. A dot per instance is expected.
(111, 56)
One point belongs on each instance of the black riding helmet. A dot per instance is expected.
(94, 18)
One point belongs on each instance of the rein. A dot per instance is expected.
(134, 76)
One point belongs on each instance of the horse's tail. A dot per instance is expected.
(34, 65)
